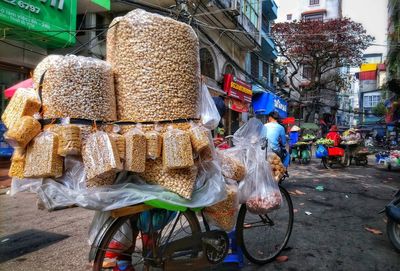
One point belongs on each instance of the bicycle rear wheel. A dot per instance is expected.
(263, 237)
(124, 242)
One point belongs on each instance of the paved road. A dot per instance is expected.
(333, 237)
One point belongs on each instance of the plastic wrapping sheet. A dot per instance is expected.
(25, 185)
(129, 189)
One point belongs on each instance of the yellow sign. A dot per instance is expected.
(241, 88)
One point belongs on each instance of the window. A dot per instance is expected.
(314, 17)
(307, 72)
(229, 69)
(207, 63)
(266, 71)
(314, 2)
(254, 65)
(289, 17)
(251, 10)
(371, 100)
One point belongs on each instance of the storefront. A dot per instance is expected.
(238, 100)
(29, 29)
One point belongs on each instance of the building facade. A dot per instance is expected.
(234, 40)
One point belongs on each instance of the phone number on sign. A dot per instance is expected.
(24, 5)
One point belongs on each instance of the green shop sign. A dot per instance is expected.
(47, 23)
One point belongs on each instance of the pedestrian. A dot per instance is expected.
(276, 137)
(334, 135)
(294, 135)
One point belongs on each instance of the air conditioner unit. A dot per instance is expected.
(235, 7)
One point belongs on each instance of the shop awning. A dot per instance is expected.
(289, 120)
(265, 103)
(9, 92)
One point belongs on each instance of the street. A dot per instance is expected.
(332, 237)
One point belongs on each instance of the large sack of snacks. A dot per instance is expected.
(180, 181)
(41, 68)
(25, 102)
(223, 214)
(78, 87)
(156, 67)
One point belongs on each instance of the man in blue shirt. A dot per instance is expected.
(275, 133)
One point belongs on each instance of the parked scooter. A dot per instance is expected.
(392, 211)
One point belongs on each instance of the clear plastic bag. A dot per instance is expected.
(253, 132)
(42, 159)
(17, 163)
(25, 185)
(135, 157)
(278, 169)
(70, 140)
(180, 181)
(120, 142)
(146, 51)
(101, 159)
(233, 163)
(177, 149)
(153, 144)
(24, 102)
(23, 131)
(223, 214)
(78, 87)
(199, 137)
(260, 189)
(209, 114)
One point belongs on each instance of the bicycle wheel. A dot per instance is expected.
(263, 237)
(125, 243)
(325, 163)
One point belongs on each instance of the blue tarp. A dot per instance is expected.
(265, 103)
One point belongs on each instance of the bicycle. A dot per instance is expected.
(182, 242)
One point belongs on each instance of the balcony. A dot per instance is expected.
(268, 50)
(270, 9)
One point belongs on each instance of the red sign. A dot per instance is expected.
(238, 106)
(237, 89)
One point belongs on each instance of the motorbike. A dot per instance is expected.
(392, 211)
(335, 156)
(302, 151)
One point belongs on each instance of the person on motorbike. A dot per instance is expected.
(276, 137)
(334, 135)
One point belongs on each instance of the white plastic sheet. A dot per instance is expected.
(128, 189)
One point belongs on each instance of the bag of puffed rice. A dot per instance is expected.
(42, 160)
(23, 131)
(24, 102)
(177, 149)
(70, 140)
(135, 157)
(154, 144)
(17, 163)
(101, 159)
(199, 136)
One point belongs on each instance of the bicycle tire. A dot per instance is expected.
(240, 232)
(109, 235)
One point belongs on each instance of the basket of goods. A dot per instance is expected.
(325, 142)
